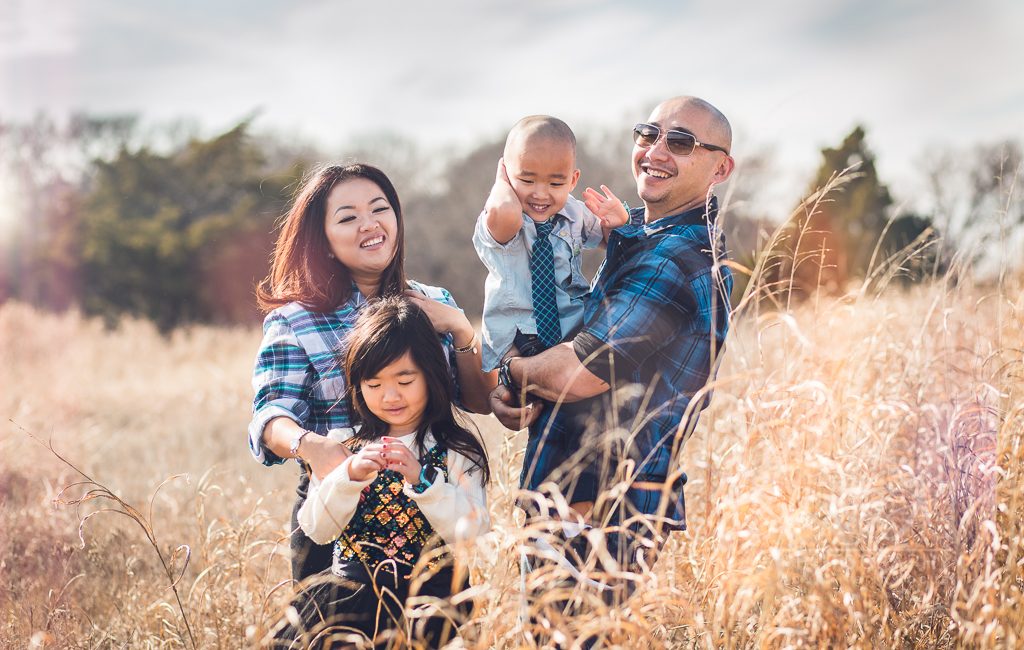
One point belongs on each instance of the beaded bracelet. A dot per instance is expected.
(471, 347)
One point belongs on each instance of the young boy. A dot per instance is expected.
(530, 236)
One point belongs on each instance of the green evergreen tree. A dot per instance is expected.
(155, 226)
(857, 213)
(846, 232)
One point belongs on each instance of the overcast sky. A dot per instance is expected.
(795, 75)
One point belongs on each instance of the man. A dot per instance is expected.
(653, 330)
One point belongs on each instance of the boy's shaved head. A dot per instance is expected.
(539, 127)
(540, 161)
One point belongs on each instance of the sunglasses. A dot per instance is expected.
(678, 142)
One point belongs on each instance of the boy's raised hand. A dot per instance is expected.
(503, 211)
(502, 195)
(608, 208)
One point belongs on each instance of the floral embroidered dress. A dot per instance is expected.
(387, 524)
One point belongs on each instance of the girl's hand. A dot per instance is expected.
(400, 458)
(607, 207)
(445, 318)
(364, 464)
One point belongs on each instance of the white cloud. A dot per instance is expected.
(796, 74)
(29, 28)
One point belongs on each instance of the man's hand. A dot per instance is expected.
(503, 213)
(512, 417)
(607, 207)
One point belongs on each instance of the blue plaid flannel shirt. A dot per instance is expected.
(660, 304)
(299, 373)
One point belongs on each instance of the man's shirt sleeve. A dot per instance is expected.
(646, 308)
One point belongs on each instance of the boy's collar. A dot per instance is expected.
(553, 218)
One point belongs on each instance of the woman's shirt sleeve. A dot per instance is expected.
(330, 503)
(282, 380)
(456, 508)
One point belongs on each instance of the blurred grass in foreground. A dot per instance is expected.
(856, 482)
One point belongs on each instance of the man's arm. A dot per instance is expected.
(649, 304)
(556, 374)
(547, 375)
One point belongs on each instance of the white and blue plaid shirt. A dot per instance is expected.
(299, 373)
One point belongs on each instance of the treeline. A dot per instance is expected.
(118, 219)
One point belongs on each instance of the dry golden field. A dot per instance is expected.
(856, 483)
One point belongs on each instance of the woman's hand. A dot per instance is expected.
(511, 417)
(445, 318)
(400, 458)
(322, 454)
(365, 463)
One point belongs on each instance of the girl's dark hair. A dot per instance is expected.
(386, 329)
(301, 268)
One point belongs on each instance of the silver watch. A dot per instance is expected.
(296, 441)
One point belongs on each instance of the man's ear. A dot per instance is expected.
(724, 170)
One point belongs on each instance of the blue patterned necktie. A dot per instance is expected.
(542, 274)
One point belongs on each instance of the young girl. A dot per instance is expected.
(414, 483)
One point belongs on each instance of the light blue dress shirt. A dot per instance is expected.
(508, 304)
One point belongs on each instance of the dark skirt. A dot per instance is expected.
(308, 557)
(349, 607)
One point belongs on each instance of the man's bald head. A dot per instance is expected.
(718, 129)
(536, 128)
(670, 183)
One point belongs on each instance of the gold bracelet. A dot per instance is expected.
(469, 348)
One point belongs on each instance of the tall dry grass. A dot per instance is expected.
(856, 482)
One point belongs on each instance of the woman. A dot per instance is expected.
(341, 244)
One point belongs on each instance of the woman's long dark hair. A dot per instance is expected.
(302, 269)
(386, 329)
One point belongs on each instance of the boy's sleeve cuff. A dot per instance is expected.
(482, 237)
